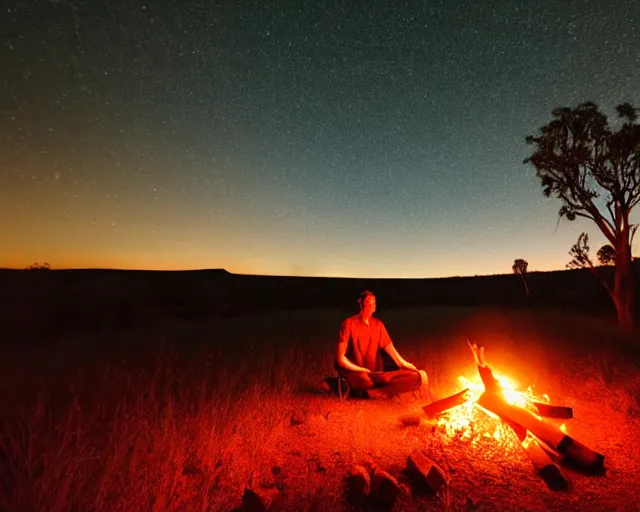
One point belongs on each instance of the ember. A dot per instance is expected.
(494, 404)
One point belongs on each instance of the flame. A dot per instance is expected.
(509, 390)
(470, 421)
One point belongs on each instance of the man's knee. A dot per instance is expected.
(359, 380)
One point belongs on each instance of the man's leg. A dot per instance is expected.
(359, 382)
(388, 383)
(399, 381)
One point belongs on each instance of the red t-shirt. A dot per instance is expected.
(364, 341)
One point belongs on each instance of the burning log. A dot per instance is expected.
(560, 442)
(546, 445)
(435, 408)
(574, 452)
(553, 411)
(496, 404)
(557, 440)
(493, 400)
(543, 462)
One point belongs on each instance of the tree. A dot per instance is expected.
(580, 259)
(519, 268)
(595, 171)
(38, 266)
(607, 255)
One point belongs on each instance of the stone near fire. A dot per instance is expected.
(410, 420)
(253, 502)
(444, 404)
(358, 485)
(297, 418)
(384, 489)
(427, 476)
(473, 501)
(260, 500)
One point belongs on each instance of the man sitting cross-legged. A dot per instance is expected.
(363, 339)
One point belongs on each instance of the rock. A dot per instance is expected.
(427, 476)
(384, 488)
(259, 500)
(253, 502)
(296, 419)
(473, 502)
(358, 484)
(410, 420)
(191, 469)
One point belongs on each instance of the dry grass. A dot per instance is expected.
(184, 416)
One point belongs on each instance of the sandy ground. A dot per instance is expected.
(294, 442)
(305, 464)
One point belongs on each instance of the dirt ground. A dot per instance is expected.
(307, 456)
(491, 474)
(239, 403)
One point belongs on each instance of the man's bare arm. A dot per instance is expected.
(343, 361)
(397, 358)
(343, 343)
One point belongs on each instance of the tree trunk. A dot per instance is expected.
(526, 286)
(624, 288)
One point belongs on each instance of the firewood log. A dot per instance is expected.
(581, 457)
(495, 403)
(491, 384)
(567, 447)
(553, 411)
(557, 440)
(544, 465)
(435, 408)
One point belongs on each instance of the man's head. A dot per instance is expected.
(367, 301)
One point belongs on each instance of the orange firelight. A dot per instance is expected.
(470, 420)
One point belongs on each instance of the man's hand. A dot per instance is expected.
(367, 380)
(410, 366)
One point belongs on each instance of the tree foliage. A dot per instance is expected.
(520, 266)
(580, 160)
(606, 255)
(580, 253)
(38, 266)
(594, 170)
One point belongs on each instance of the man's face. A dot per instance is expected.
(369, 305)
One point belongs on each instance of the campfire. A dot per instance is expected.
(548, 446)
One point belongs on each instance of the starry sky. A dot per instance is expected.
(307, 137)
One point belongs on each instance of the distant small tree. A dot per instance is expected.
(519, 268)
(607, 255)
(38, 266)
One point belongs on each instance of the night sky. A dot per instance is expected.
(357, 139)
